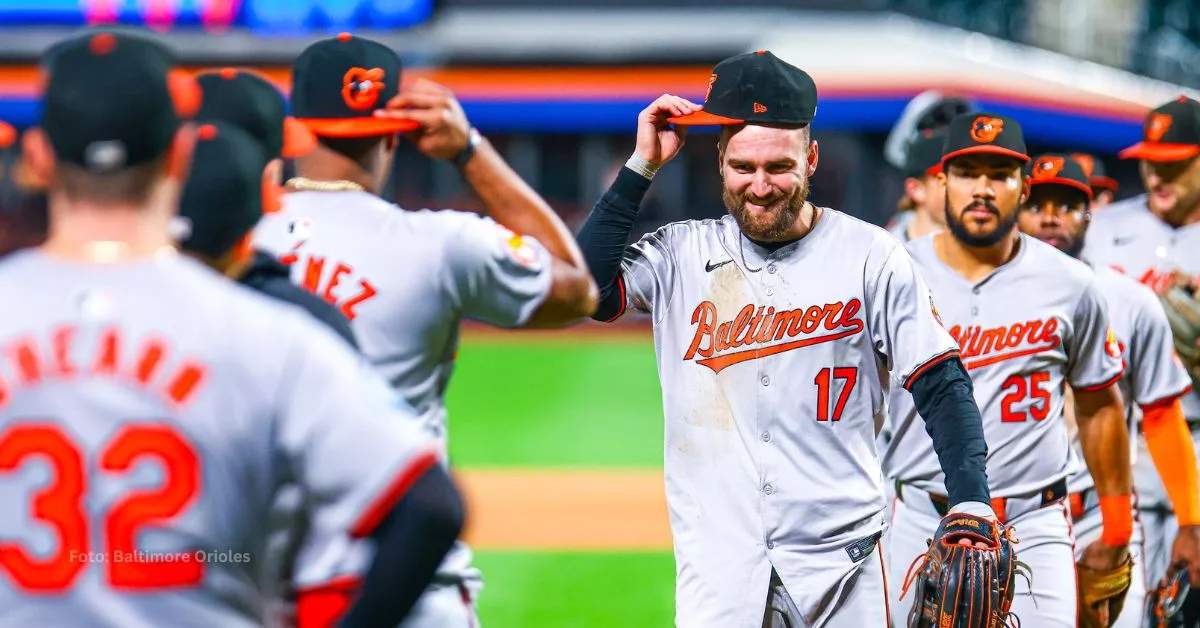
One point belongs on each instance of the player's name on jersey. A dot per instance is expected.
(980, 346)
(762, 325)
(70, 352)
(138, 556)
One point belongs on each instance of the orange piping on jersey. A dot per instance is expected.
(324, 605)
(749, 328)
(930, 363)
(378, 509)
(887, 609)
(1170, 443)
(1165, 401)
(1101, 386)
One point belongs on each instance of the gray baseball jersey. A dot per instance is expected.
(899, 224)
(406, 280)
(151, 410)
(1153, 373)
(1020, 345)
(774, 369)
(1129, 238)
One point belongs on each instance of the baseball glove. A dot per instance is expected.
(1164, 602)
(965, 586)
(1183, 312)
(1102, 586)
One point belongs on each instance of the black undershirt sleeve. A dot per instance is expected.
(945, 398)
(605, 233)
(410, 544)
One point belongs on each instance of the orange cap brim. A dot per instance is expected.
(298, 140)
(1158, 151)
(703, 118)
(357, 127)
(1104, 183)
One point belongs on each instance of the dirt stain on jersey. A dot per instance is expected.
(727, 290)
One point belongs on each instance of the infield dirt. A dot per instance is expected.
(565, 509)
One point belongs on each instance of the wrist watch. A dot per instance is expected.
(468, 151)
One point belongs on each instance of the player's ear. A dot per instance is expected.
(272, 186)
(915, 190)
(179, 155)
(38, 155)
(813, 155)
(1024, 190)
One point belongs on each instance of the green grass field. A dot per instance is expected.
(552, 403)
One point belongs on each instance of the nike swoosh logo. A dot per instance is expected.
(709, 267)
(1120, 241)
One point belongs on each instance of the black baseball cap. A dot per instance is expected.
(113, 100)
(924, 157)
(1171, 132)
(223, 197)
(338, 83)
(756, 88)
(1058, 169)
(986, 133)
(249, 100)
(1094, 169)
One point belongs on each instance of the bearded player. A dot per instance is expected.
(776, 344)
(1020, 346)
(1058, 212)
(1153, 238)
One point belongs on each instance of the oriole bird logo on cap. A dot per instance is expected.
(361, 87)
(1048, 167)
(986, 129)
(711, 79)
(1157, 126)
(1086, 162)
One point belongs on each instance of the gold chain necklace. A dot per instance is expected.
(304, 184)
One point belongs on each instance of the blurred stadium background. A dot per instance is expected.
(558, 435)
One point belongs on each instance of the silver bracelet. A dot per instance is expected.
(641, 166)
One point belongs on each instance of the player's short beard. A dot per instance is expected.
(786, 212)
(1004, 226)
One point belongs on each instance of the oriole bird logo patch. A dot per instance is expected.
(1111, 346)
(1157, 126)
(1048, 167)
(361, 87)
(986, 129)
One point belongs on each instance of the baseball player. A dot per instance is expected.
(1149, 237)
(1104, 187)
(151, 408)
(1057, 212)
(407, 278)
(777, 341)
(922, 207)
(22, 200)
(217, 216)
(1020, 345)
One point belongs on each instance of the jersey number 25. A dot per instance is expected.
(60, 506)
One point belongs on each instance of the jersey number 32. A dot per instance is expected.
(59, 506)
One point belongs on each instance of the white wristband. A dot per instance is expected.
(641, 166)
